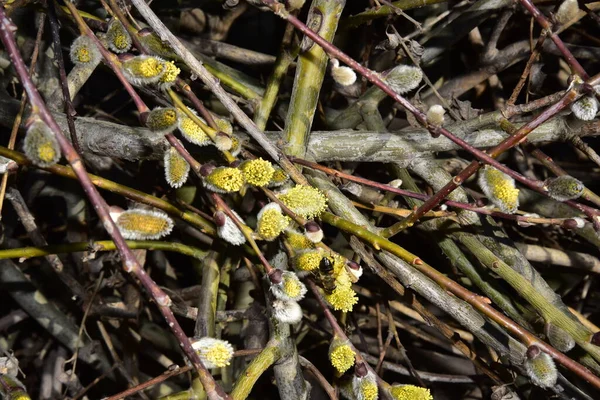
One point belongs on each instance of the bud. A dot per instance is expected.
(342, 75)
(227, 229)
(499, 188)
(214, 353)
(566, 12)
(313, 232)
(271, 222)
(595, 339)
(341, 355)
(406, 392)
(404, 78)
(257, 172)
(435, 115)
(191, 131)
(40, 144)
(540, 367)
(117, 36)
(559, 338)
(287, 312)
(355, 270)
(363, 193)
(289, 288)
(223, 141)
(585, 108)
(162, 120)
(365, 387)
(573, 223)
(305, 201)
(279, 177)
(176, 168)
(143, 70)
(224, 180)
(142, 224)
(84, 52)
(564, 188)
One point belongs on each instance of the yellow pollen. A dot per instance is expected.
(150, 67)
(305, 201)
(192, 131)
(143, 223)
(292, 287)
(279, 176)
(342, 358)
(410, 392)
(83, 55)
(171, 72)
(46, 152)
(258, 172)
(309, 261)
(228, 179)
(271, 224)
(343, 298)
(178, 167)
(121, 41)
(500, 188)
(218, 354)
(369, 390)
(298, 241)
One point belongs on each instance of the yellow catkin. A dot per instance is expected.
(341, 356)
(309, 261)
(499, 188)
(410, 392)
(170, 75)
(298, 241)
(343, 298)
(225, 179)
(176, 168)
(257, 172)
(144, 224)
(271, 223)
(305, 201)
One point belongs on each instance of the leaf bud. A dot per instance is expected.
(563, 188)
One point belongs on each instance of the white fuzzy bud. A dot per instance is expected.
(585, 108)
(227, 229)
(287, 312)
(404, 78)
(435, 115)
(345, 76)
(567, 11)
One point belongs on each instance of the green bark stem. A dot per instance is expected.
(323, 18)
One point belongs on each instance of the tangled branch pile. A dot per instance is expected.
(299, 199)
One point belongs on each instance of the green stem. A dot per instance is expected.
(310, 71)
(384, 11)
(101, 245)
(193, 219)
(254, 370)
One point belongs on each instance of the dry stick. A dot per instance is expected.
(547, 26)
(477, 301)
(564, 222)
(213, 84)
(130, 263)
(64, 83)
(508, 143)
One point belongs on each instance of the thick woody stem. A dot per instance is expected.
(130, 263)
